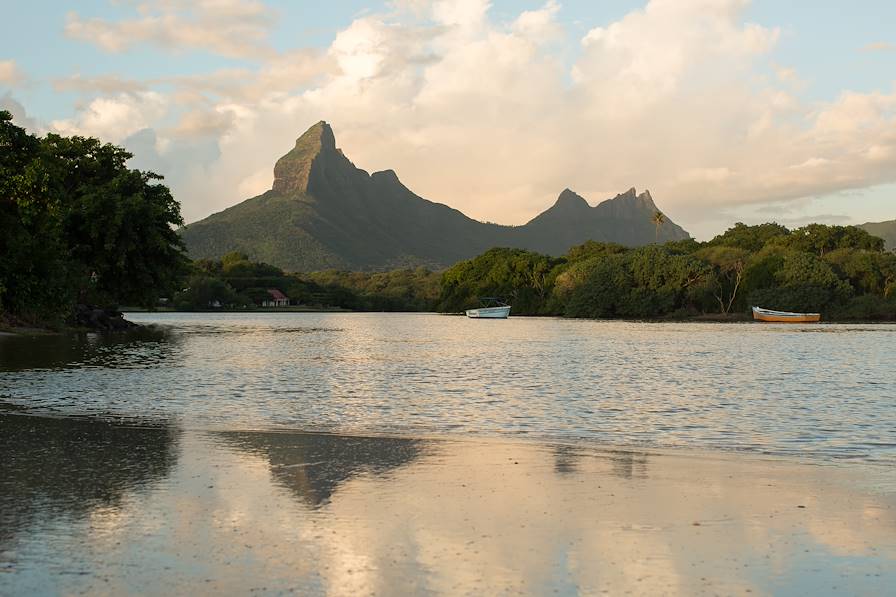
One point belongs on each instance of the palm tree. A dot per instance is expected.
(658, 220)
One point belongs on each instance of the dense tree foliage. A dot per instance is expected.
(522, 277)
(841, 271)
(77, 225)
(235, 282)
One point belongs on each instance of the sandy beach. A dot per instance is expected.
(166, 511)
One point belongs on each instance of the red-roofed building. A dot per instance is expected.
(278, 299)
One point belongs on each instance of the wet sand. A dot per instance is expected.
(94, 508)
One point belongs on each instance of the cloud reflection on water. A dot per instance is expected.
(111, 510)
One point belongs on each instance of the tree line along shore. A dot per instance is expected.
(842, 272)
(82, 234)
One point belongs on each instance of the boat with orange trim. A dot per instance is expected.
(761, 314)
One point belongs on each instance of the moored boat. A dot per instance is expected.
(490, 308)
(761, 314)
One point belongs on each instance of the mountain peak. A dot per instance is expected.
(385, 176)
(293, 170)
(320, 134)
(632, 197)
(647, 199)
(569, 199)
(632, 193)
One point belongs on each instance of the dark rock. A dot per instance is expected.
(95, 318)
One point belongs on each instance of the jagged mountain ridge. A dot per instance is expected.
(323, 212)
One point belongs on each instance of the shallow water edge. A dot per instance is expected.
(91, 507)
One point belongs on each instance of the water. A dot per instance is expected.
(95, 508)
(171, 464)
(818, 392)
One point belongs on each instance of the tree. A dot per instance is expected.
(118, 224)
(204, 292)
(804, 282)
(233, 257)
(750, 238)
(591, 249)
(78, 225)
(728, 265)
(646, 282)
(34, 279)
(868, 272)
(605, 293)
(525, 277)
(820, 239)
(658, 220)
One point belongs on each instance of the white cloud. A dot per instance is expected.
(464, 14)
(495, 118)
(115, 118)
(10, 74)
(234, 28)
(199, 123)
(541, 22)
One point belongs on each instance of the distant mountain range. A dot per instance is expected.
(324, 213)
(885, 230)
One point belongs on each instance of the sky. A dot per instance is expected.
(726, 110)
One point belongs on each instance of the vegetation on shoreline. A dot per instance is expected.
(78, 227)
(235, 282)
(841, 271)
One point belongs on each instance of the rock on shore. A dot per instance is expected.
(87, 316)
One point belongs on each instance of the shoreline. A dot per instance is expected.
(7, 330)
(709, 318)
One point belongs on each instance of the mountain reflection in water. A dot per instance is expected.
(313, 466)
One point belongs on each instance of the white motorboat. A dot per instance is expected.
(490, 308)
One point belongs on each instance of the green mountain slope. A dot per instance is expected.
(885, 230)
(322, 212)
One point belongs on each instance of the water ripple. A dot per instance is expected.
(810, 391)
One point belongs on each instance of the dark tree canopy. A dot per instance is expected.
(839, 270)
(750, 238)
(77, 225)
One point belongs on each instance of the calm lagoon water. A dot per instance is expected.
(171, 463)
(823, 392)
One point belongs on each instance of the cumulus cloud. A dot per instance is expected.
(10, 74)
(495, 118)
(115, 118)
(234, 28)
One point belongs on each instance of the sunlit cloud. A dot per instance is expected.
(497, 116)
(234, 28)
(10, 74)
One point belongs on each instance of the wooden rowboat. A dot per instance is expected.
(761, 314)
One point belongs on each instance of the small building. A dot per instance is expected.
(277, 299)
